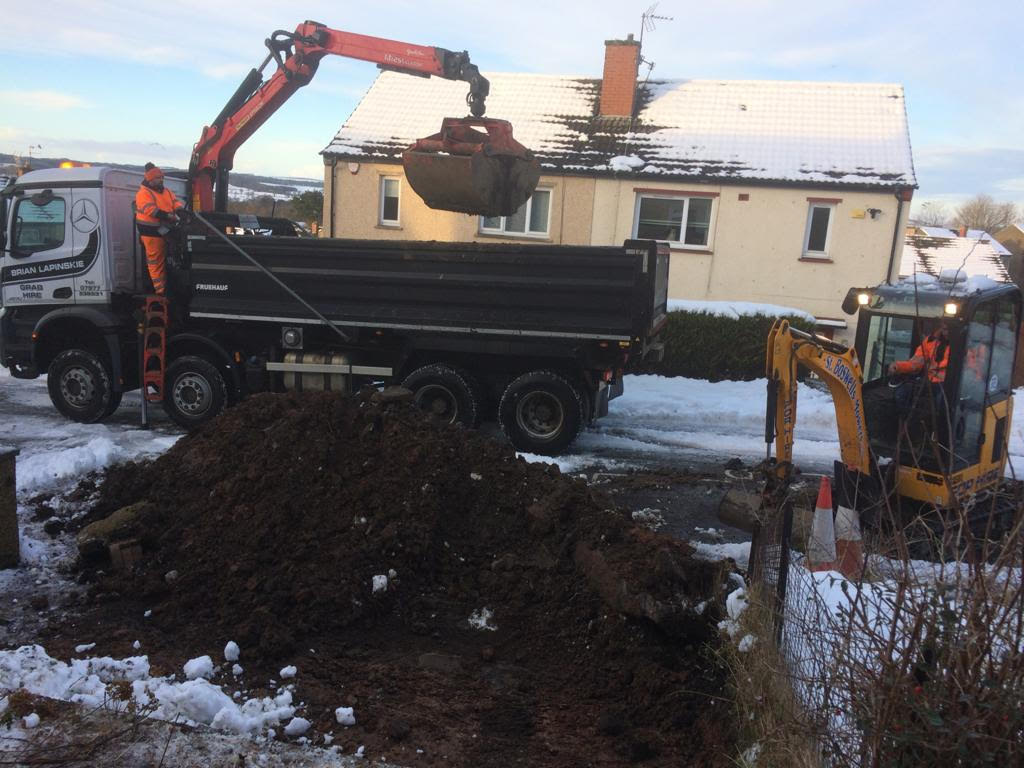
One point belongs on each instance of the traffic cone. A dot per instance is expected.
(821, 549)
(849, 545)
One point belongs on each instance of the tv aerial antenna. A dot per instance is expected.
(648, 23)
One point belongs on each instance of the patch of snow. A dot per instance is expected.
(380, 583)
(650, 517)
(746, 643)
(735, 550)
(44, 470)
(31, 721)
(475, 476)
(297, 726)
(621, 163)
(345, 716)
(737, 309)
(84, 647)
(236, 670)
(481, 619)
(231, 651)
(202, 666)
(288, 672)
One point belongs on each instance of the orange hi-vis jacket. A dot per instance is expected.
(148, 201)
(931, 356)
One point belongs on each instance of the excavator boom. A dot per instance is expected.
(839, 368)
(486, 188)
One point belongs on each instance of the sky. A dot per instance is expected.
(131, 82)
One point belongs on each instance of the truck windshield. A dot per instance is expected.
(889, 339)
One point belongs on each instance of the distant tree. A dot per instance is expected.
(933, 214)
(983, 212)
(308, 206)
(264, 205)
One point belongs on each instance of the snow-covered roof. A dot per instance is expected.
(943, 233)
(832, 133)
(976, 256)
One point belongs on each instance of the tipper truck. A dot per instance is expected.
(536, 336)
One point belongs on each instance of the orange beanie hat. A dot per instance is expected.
(153, 174)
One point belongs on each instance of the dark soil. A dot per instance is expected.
(277, 517)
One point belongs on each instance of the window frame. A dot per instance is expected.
(381, 196)
(669, 195)
(15, 248)
(806, 252)
(545, 235)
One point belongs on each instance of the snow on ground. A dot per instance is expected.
(680, 420)
(56, 452)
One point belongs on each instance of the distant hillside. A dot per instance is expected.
(244, 186)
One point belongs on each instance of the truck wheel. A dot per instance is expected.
(114, 404)
(541, 412)
(79, 386)
(447, 394)
(194, 391)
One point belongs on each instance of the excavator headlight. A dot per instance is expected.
(952, 308)
(863, 298)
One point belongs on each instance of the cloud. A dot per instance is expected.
(48, 100)
(14, 141)
(955, 173)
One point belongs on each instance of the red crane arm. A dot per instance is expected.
(297, 55)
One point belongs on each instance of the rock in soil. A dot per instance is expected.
(527, 607)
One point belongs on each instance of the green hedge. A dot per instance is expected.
(703, 346)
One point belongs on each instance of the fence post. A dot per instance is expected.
(10, 551)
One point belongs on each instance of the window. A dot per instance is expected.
(684, 221)
(39, 224)
(889, 340)
(530, 219)
(390, 189)
(819, 230)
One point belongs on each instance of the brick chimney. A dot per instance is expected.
(618, 86)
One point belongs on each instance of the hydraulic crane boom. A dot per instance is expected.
(838, 366)
(297, 55)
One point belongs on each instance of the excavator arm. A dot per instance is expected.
(839, 368)
(297, 55)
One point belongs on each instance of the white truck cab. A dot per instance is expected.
(70, 238)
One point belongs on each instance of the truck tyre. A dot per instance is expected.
(448, 394)
(113, 405)
(194, 391)
(541, 412)
(79, 384)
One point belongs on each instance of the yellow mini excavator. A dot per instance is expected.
(918, 457)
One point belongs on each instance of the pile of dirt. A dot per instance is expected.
(356, 539)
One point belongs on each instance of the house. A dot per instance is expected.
(783, 193)
(970, 252)
(1012, 239)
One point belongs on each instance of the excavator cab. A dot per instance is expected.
(482, 172)
(962, 433)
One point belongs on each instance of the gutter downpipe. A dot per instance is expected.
(332, 163)
(900, 193)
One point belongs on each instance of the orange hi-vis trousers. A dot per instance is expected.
(156, 262)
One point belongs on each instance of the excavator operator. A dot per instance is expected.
(156, 211)
(930, 359)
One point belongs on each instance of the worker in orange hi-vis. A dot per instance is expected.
(156, 211)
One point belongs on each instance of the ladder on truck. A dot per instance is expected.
(153, 355)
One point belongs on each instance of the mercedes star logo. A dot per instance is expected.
(85, 216)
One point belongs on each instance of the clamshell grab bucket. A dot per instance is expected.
(469, 171)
